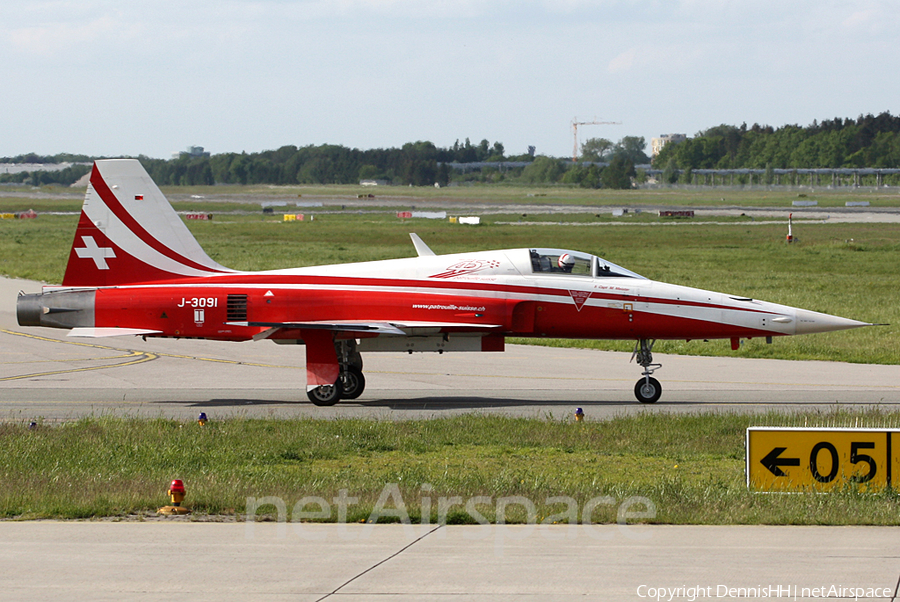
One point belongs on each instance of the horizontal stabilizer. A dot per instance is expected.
(98, 333)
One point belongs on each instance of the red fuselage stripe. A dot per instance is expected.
(206, 314)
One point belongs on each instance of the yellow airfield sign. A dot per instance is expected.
(821, 459)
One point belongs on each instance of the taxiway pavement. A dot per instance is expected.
(182, 560)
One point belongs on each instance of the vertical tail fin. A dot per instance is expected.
(128, 232)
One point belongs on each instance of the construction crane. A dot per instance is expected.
(576, 123)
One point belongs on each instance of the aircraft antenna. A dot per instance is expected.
(576, 123)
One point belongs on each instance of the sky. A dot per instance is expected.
(114, 78)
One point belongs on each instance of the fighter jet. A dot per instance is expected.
(135, 269)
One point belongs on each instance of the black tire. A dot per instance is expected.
(325, 395)
(354, 383)
(647, 390)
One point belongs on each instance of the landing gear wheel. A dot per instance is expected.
(353, 383)
(647, 390)
(325, 395)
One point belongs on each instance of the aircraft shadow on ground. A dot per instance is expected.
(418, 403)
(487, 403)
(451, 403)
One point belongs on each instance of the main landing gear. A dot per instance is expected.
(648, 389)
(350, 384)
(325, 395)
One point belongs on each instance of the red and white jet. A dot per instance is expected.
(135, 269)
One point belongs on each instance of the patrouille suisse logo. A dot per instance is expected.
(580, 297)
(467, 267)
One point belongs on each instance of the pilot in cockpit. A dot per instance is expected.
(565, 262)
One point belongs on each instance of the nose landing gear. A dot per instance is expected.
(648, 389)
(352, 382)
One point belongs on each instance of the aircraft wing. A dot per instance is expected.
(401, 328)
(411, 326)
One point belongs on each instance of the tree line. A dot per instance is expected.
(417, 163)
(868, 141)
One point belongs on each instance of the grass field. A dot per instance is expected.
(558, 195)
(67, 199)
(690, 468)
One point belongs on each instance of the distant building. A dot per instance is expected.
(657, 144)
(192, 152)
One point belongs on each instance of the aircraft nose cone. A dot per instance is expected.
(809, 322)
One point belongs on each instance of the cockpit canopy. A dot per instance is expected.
(574, 263)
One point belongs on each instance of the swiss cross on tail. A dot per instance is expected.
(580, 297)
(90, 250)
(94, 259)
